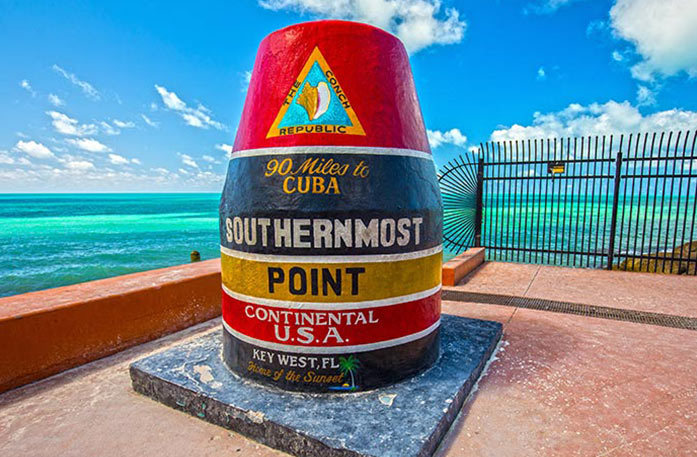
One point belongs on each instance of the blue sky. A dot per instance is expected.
(131, 96)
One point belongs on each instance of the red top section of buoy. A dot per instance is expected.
(333, 83)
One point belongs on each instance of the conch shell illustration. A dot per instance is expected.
(315, 100)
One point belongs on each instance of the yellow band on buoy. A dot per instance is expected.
(338, 282)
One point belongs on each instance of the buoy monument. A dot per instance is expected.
(331, 216)
(332, 339)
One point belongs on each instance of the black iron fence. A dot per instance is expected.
(618, 202)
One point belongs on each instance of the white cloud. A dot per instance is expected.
(80, 174)
(226, 148)
(663, 33)
(193, 120)
(188, 160)
(24, 84)
(87, 88)
(645, 96)
(68, 126)
(210, 159)
(196, 117)
(541, 75)
(246, 79)
(437, 138)
(617, 56)
(56, 147)
(546, 6)
(55, 100)
(597, 119)
(419, 23)
(89, 144)
(121, 160)
(6, 159)
(34, 149)
(109, 129)
(79, 165)
(123, 125)
(118, 160)
(170, 99)
(149, 121)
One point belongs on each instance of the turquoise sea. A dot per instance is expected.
(51, 240)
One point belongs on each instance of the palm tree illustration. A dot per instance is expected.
(348, 366)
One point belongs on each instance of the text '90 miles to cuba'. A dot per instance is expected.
(314, 175)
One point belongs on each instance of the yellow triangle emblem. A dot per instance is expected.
(316, 103)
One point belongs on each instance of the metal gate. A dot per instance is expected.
(461, 190)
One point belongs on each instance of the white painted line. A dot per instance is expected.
(368, 258)
(326, 306)
(331, 150)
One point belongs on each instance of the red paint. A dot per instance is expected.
(372, 67)
(393, 321)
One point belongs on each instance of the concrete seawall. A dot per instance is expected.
(43, 333)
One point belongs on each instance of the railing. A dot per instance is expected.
(624, 202)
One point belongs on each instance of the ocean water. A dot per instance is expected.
(51, 240)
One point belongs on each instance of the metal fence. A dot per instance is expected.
(618, 202)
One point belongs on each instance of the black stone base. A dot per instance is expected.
(407, 419)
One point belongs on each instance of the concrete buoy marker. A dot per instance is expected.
(331, 216)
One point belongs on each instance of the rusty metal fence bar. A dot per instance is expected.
(618, 202)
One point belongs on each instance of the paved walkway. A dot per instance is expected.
(562, 385)
(572, 385)
(657, 293)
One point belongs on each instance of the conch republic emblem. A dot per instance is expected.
(331, 217)
(316, 103)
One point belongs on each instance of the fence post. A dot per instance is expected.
(615, 202)
(479, 212)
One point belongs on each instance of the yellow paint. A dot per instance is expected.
(310, 184)
(378, 280)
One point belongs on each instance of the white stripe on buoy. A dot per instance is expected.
(332, 306)
(331, 150)
(368, 258)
